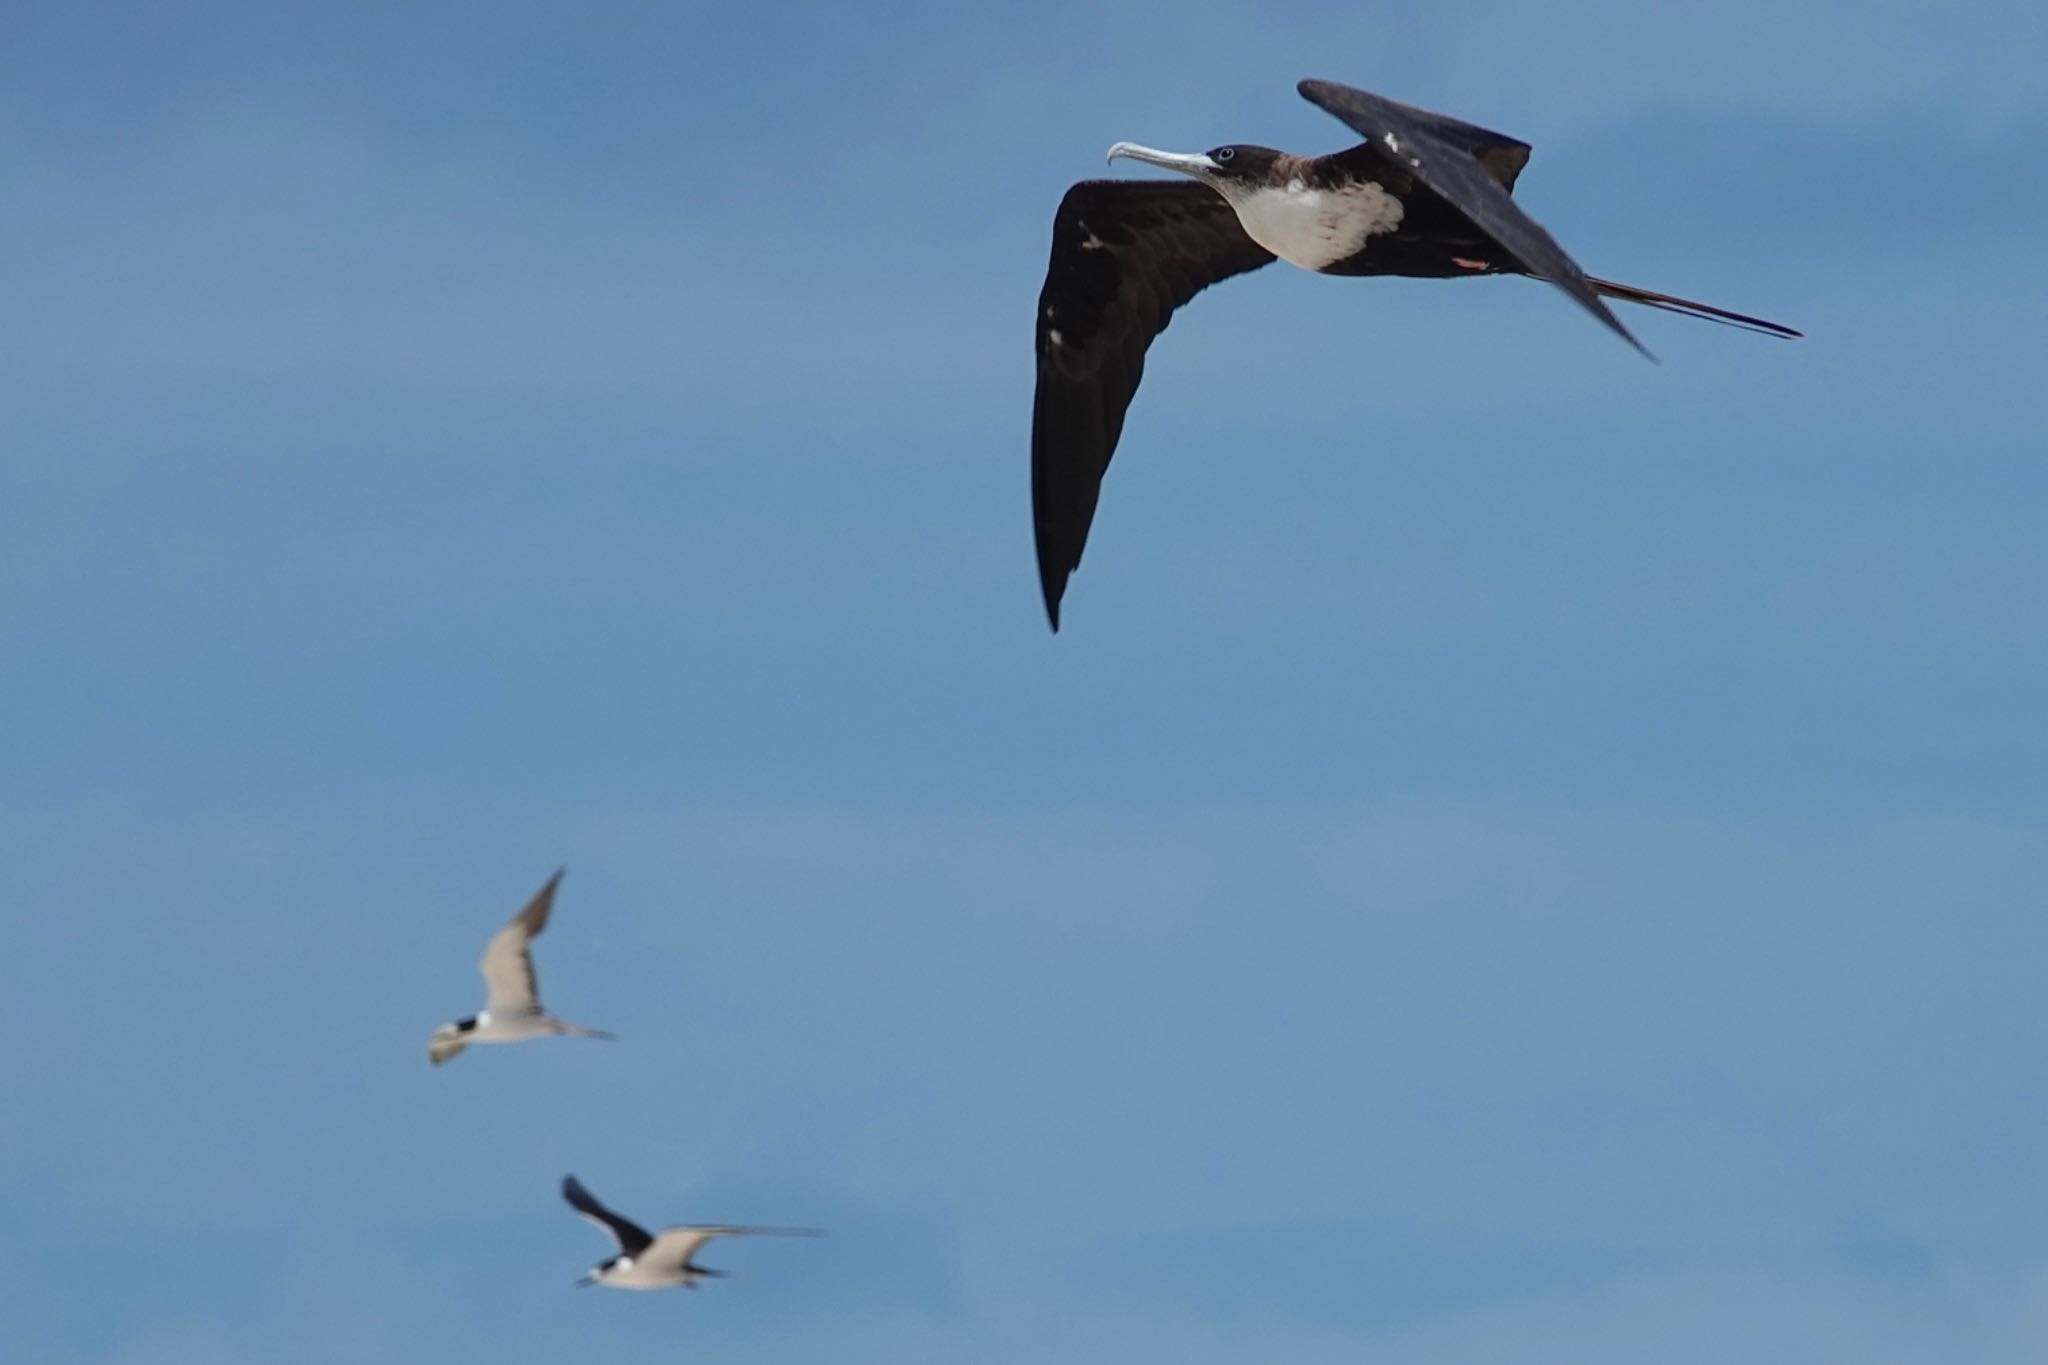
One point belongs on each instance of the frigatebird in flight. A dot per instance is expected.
(1423, 195)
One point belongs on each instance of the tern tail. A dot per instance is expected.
(579, 1031)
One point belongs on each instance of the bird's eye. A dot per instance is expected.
(1225, 153)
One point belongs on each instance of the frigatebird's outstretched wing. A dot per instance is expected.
(1125, 254)
(1472, 168)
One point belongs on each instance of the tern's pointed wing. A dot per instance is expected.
(1474, 170)
(631, 1237)
(507, 964)
(1125, 254)
(677, 1245)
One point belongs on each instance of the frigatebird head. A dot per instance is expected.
(1235, 164)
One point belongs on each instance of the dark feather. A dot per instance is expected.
(1158, 244)
(631, 1237)
(1473, 168)
(1671, 303)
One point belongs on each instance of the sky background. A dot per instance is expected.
(1518, 855)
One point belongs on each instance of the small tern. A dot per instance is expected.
(512, 1011)
(659, 1260)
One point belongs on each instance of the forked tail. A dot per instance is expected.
(578, 1031)
(1672, 304)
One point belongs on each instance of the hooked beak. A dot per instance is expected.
(1195, 164)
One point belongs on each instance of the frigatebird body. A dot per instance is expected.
(1424, 195)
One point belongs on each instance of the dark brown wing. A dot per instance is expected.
(1473, 169)
(1125, 254)
(631, 1237)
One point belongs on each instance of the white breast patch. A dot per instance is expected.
(1312, 227)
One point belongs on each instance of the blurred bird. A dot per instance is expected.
(660, 1260)
(512, 1011)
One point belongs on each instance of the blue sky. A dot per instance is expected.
(1518, 854)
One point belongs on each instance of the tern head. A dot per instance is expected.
(1236, 166)
(449, 1039)
(604, 1270)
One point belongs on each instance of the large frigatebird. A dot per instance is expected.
(1423, 195)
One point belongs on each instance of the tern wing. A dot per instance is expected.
(1472, 168)
(631, 1237)
(507, 962)
(679, 1244)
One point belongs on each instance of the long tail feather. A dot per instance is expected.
(1672, 304)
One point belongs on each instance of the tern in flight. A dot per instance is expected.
(512, 1011)
(1423, 195)
(659, 1260)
